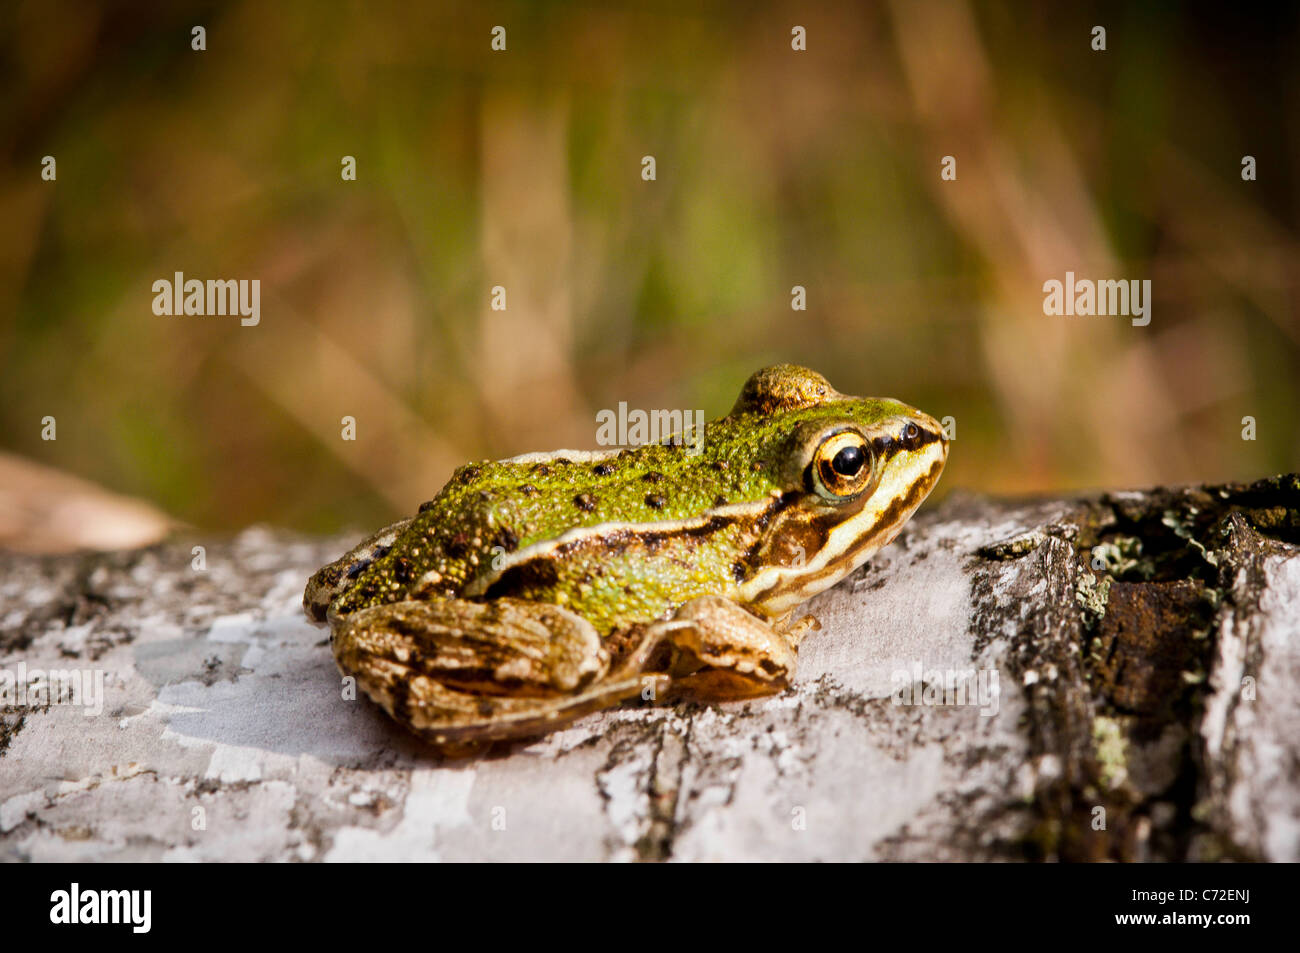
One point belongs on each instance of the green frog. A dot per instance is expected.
(535, 590)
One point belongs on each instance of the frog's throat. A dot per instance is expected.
(777, 589)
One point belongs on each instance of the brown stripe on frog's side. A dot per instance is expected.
(617, 537)
(541, 569)
(800, 536)
(540, 572)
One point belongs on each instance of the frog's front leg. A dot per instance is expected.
(456, 671)
(724, 652)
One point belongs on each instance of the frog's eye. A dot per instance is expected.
(841, 466)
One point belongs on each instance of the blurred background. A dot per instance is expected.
(523, 169)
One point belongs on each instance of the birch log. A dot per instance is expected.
(1111, 677)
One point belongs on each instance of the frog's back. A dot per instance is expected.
(503, 507)
(514, 514)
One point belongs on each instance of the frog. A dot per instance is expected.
(533, 591)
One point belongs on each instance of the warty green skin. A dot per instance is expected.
(623, 538)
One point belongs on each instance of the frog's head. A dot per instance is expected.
(851, 472)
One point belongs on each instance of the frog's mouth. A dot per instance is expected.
(813, 545)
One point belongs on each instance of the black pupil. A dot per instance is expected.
(849, 461)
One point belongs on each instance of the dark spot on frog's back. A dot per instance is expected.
(585, 502)
(603, 469)
(655, 501)
(458, 546)
(402, 570)
(506, 539)
(361, 565)
(426, 505)
(654, 477)
(469, 473)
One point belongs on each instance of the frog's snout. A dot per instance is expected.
(941, 432)
(924, 445)
(922, 430)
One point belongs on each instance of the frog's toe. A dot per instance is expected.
(726, 652)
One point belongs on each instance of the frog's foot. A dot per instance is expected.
(725, 652)
(458, 672)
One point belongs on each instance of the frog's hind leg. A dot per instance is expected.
(455, 671)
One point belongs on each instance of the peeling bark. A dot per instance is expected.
(1146, 649)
